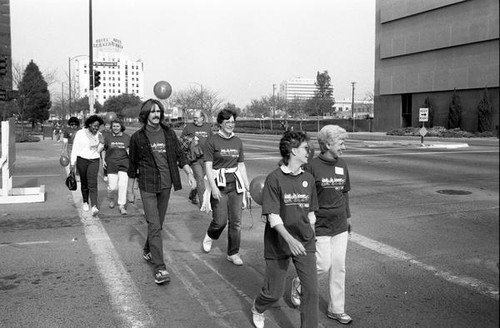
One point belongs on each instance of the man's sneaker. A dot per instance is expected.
(95, 210)
(123, 211)
(296, 292)
(236, 259)
(111, 204)
(147, 257)
(207, 243)
(162, 277)
(85, 207)
(343, 318)
(257, 318)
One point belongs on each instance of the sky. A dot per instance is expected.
(238, 48)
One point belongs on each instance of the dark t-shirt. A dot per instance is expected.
(332, 183)
(202, 132)
(116, 152)
(157, 143)
(292, 197)
(224, 153)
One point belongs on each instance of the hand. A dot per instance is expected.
(71, 168)
(216, 193)
(296, 247)
(104, 164)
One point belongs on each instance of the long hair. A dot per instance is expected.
(146, 109)
(289, 141)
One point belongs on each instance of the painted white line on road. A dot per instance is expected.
(419, 153)
(125, 297)
(27, 243)
(36, 176)
(476, 285)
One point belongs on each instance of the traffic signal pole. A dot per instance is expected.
(91, 64)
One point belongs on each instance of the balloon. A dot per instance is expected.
(256, 187)
(110, 116)
(162, 90)
(64, 160)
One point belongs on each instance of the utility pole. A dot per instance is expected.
(273, 106)
(69, 85)
(352, 107)
(91, 64)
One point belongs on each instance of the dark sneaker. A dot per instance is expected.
(147, 257)
(162, 277)
(343, 318)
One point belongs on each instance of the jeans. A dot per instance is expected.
(330, 259)
(88, 169)
(274, 286)
(155, 208)
(227, 208)
(198, 168)
(118, 182)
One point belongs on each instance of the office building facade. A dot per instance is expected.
(119, 74)
(301, 88)
(428, 49)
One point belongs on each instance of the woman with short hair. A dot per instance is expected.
(116, 161)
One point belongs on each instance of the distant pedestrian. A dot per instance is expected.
(86, 154)
(333, 219)
(289, 202)
(155, 155)
(193, 139)
(116, 162)
(228, 181)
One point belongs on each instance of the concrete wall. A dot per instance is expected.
(388, 109)
(431, 48)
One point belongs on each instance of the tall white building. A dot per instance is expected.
(119, 74)
(298, 88)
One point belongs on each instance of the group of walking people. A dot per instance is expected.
(305, 199)
(89, 148)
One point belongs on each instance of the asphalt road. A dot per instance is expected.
(424, 252)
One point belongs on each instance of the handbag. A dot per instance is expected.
(71, 181)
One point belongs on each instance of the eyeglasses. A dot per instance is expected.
(73, 124)
(229, 123)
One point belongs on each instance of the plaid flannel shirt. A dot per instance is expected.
(143, 165)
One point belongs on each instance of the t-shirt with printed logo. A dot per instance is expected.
(292, 197)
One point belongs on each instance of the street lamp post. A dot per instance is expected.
(69, 79)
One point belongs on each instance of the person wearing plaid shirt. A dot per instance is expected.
(155, 156)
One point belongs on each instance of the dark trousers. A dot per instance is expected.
(274, 286)
(227, 208)
(88, 169)
(155, 207)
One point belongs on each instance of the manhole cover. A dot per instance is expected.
(454, 192)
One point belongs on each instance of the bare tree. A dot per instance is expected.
(198, 98)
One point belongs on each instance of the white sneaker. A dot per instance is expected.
(257, 318)
(85, 207)
(207, 243)
(296, 291)
(236, 259)
(95, 210)
(123, 211)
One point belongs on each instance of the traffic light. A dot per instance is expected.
(97, 79)
(3, 66)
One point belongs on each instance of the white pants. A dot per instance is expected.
(118, 181)
(330, 258)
